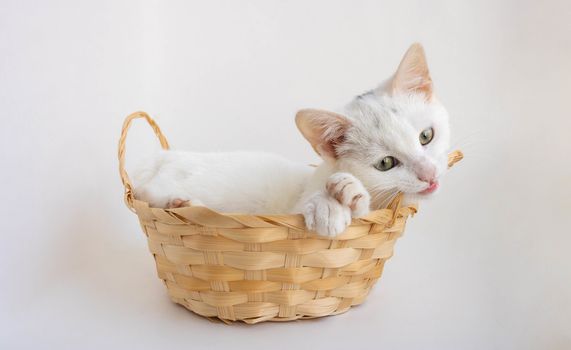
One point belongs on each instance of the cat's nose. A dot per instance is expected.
(426, 172)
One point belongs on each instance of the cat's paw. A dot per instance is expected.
(177, 203)
(325, 215)
(350, 192)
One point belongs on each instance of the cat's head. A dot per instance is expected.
(394, 138)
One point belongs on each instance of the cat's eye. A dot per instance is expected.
(426, 136)
(387, 163)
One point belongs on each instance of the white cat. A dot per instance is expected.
(392, 139)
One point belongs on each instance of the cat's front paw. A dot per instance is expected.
(326, 216)
(350, 192)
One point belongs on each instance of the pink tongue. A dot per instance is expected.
(433, 186)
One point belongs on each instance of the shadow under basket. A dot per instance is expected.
(255, 268)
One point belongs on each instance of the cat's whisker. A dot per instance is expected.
(383, 198)
(383, 194)
(387, 201)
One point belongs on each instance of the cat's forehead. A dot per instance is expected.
(400, 109)
(388, 124)
(389, 118)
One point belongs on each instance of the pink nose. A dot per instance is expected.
(426, 172)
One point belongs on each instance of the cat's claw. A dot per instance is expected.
(350, 192)
(325, 215)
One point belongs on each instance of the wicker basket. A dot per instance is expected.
(256, 268)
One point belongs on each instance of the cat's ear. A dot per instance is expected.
(412, 74)
(324, 130)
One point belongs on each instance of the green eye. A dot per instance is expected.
(387, 163)
(426, 136)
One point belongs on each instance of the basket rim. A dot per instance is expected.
(401, 210)
(208, 218)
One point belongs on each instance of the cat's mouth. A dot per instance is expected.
(433, 186)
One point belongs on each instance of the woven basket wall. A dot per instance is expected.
(256, 268)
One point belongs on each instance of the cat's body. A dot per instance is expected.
(229, 182)
(392, 139)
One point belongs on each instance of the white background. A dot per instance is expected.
(485, 265)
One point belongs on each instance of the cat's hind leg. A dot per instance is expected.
(179, 203)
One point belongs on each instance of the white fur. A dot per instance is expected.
(380, 123)
(233, 182)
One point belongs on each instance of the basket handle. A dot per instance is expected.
(454, 157)
(121, 152)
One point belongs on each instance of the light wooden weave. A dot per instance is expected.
(256, 268)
